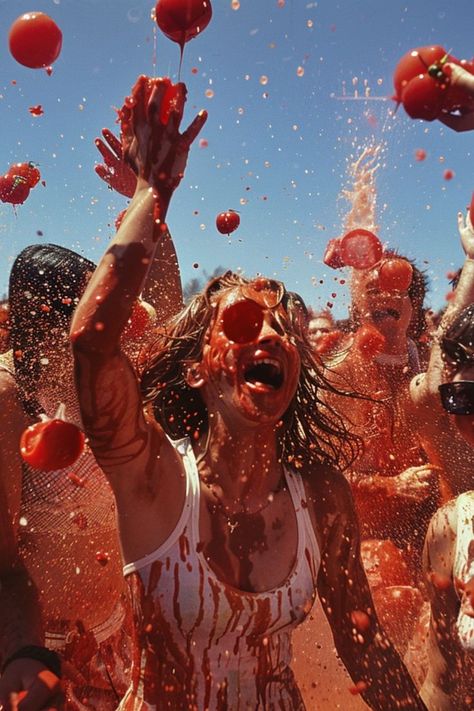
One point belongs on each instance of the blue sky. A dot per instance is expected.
(278, 140)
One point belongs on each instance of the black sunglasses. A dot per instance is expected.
(458, 398)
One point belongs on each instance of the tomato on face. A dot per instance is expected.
(13, 189)
(227, 222)
(369, 341)
(35, 40)
(332, 256)
(181, 20)
(242, 321)
(142, 317)
(28, 171)
(415, 62)
(423, 97)
(51, 444)
(395, 274)
(361, 249)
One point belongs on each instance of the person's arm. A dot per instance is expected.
(21, 626)
(367, 653)
(464, 80)
(107, 387)
(162, 288)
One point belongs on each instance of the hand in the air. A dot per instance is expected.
(114, 170)
(466, 232)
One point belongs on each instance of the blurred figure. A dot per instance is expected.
(320, 323)
(4, 326)
(63, 599)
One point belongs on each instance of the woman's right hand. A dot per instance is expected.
(415, 483)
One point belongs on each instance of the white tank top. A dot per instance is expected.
(203, 644)
(464, 562)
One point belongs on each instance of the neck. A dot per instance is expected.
(242, 462)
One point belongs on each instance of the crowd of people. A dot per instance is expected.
(245, 456)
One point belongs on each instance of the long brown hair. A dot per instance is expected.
(311, 431)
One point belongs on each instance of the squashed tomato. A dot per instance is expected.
(181, 20)
(242, 321)
(360, 249)
(332, 256)
(395, 274)
(369, 341)
(51, 444)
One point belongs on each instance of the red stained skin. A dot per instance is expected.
(369, 341)
(35, 40)
(51, 444)
(227, 222)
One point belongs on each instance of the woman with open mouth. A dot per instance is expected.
(232, 512)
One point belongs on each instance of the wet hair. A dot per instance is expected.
(46, 282)
(310, 431)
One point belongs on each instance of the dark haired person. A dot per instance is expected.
(231, 513)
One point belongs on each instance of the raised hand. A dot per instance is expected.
(415, 483)
(115, 171)
(152, 143)
(466, 232)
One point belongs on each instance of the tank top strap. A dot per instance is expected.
(188, 515)
(305, 525)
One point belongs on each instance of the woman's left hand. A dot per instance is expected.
(152, 143)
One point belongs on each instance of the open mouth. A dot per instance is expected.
(381, 314)
(265, 373)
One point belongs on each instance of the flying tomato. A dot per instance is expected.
(14, 189)
(227, 222)
(52, 444)
(332, 256)
(35, 40)
(395, 274)
(28, 171)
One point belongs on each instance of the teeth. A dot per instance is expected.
(268, 361)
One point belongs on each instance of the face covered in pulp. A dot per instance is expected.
(383, 303)
(250, 365)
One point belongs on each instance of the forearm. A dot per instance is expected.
(163, 288)
(365, 483)
(118, 280)
(20, 612)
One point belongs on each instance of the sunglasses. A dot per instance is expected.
(458, 398)
(457, 351)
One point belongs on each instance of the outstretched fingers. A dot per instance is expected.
(194, 128)
(114, 143)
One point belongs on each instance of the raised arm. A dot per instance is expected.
(107, 387)
(368, 655)
(162, 288)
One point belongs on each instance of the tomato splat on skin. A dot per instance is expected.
(227, 222)
(35, 40)
(242, 321)
(360, 249)
(369, 341)
(141, 319)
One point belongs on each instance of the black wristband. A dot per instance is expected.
(51, 660)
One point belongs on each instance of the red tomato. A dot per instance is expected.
(332, 256)
(448, 174)
(141, 318)
(416, 61)
(471, 210)
(28, 171)
(35, 40)
(395, 274)
(369, 341)
(13, 189)
(181, 20)
(51, 444)
(36, 110)
(360, 249)
(423, 97)
(420, 154)
(227, 222)
(242, 321)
